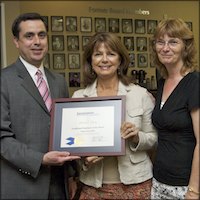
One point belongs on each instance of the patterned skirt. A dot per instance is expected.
(117, 191)
(162, 191)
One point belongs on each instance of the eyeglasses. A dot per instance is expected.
(171, 43)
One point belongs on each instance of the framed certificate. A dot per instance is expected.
(88, 126)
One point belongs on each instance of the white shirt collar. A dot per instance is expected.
(32, 69)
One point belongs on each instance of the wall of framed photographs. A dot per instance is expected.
(66, 46)
(72, 23)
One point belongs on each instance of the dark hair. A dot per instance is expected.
(25, 17)
(175, 28)
(113, 42)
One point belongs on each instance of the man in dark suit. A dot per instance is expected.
(28, 169)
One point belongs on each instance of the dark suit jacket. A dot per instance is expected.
(25, 127)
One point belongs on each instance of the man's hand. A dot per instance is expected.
(57, 158)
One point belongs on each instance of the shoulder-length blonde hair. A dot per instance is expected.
(112, 42)
(176, 28)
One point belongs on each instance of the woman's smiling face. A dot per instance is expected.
(169, 50)
(105, 61)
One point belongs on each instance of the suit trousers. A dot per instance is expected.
(57, 184)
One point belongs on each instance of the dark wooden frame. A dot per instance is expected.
(61, 40)
(77, 55)
(89, 24)
(84, 43)
(46, 61)
(143, 56)
(76, 39)
(56, 19)
(74, 28)
(132, 43)
(132, 59)
(144, 47)
(189, 24)
(62, 55)
(117, 25)
(143, 30)
(77, 82)
(130, 25)
(155, 23)
(96, 23)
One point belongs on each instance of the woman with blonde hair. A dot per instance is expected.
(176, 113)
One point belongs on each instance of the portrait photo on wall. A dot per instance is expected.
(74, 60)
(71, 23)
(141, 43)
(140, 26)
(46, 20)
(86, 24)
(46, 61)
(56, 23)
(59, 61)
(62, 73)
(151, 26)
(100, 24)
(129, 43)
(57, 42)
(189, 24)
(73, 43)
(151, 61)
(85, 40)
(74, 79)
(127, 25)
(113, 25)
(132, 60)
(142, 59)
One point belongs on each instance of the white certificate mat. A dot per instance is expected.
(87, 127)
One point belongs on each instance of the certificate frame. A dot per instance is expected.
(115, 105)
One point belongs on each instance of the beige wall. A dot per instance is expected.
(188, 10)
(12, 9)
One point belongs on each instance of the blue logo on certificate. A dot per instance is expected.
(70, 140)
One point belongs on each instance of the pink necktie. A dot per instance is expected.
(43, 89)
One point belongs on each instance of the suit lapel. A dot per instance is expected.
(28, 84)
